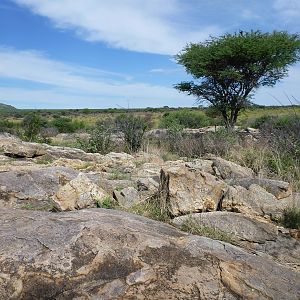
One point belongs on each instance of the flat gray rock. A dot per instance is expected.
(240, 226)
(34, 188)
(106, 254)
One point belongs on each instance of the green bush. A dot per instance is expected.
(107, 203)
(186, 119)
(133, 129)
(67, 125)
(7, 126)
(100, 141)
(32, 124)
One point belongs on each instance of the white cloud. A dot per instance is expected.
(166, 71)
(289, 10)
(248, 14)
(152, 26)
(69, 85)
(287, 89)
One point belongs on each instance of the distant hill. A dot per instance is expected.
(7, 108)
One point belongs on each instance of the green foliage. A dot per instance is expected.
(291, 218)
(7, 126)
(150, 209)
(185, 118)
(194, 227)
(67, 125)
(107, 203)
(100, 141)
(133, 129)
(230, 68)
(32, 124)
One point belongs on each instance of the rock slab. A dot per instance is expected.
(106, 254)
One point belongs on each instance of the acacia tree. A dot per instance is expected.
(229, 69)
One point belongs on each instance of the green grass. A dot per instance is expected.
(149, 209)
(192, 226)
(107, 203)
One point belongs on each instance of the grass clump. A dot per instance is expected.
(107, 203)
(192, 226)
(150, 209)
(291, 218)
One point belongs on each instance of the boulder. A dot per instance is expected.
(110, 185)
(20, 149)
(127, 197)
(107, 254)
(148, 184)
(56, 152)
(79, 193)
(204, 165)
(257, 201)
(254, 200)
(228, 170)
(280, 189)
(121, 161)
(184, 190)
(241, 227)
(33, 188)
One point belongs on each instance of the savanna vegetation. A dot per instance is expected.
(227, 70)
(274, 152)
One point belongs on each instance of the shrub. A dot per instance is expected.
(185, 119)
(291, 218)
(32, 124)
(100, 141)
(67, 125)
(7, 126)
(219, 143)
(133, 129)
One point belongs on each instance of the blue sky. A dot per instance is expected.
(119, 53)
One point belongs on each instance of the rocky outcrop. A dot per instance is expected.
(33, 189)
(105, 254)
(254, 200)
(23, 150)
(127, 197)
(239, 226)
(79, 193)
(184, 190)
(280, 189)
(228, 170)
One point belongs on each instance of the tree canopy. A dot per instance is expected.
(228, 69)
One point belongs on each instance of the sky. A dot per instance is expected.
(120, 53)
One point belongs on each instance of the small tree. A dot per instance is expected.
(32, 124)
(133, 129)
(230, 68)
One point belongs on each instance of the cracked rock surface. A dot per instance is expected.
(106, 254)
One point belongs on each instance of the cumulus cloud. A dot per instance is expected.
(152, 26)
